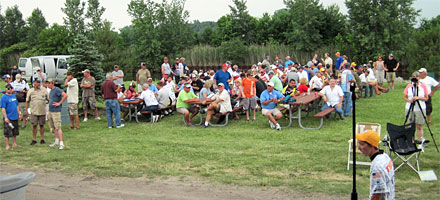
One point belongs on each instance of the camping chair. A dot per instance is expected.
(361, 127)
(401, 142)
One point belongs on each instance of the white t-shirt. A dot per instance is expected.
(167, 68)
(316, 82)
(225, 105)
(120, 94)
(20, 85)
(163, 97)
(429, 82)
(328, 61)
(333, 95)
(303, 74)
(382, 177)
(369, 78)
(149, 98)
(72, 91)
(422, 90)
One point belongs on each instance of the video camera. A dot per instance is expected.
(414, 80)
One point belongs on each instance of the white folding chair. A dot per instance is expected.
(361, 127)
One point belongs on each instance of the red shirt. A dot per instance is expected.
(302, 88)
(108, 88)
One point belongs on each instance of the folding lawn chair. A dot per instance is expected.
(401, 142)
(361, 127)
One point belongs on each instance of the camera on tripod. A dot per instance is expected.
(414, 80)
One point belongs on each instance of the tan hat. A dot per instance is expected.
(271, 84)
(37, 68)
(18, 76)
(423, 70)
(86, 71)
(50, 80)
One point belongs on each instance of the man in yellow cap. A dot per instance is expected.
(381, 170)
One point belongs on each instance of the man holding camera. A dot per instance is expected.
(429, 82)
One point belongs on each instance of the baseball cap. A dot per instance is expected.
(423, 70)
(391, 55)
(322, 69)
(271, 72)
(271, 84)
(259, 63)
(133, 84)
(18, 76)
(149, 79)
(142, 64)
(116, 66)
(193, 76)
(371, 137)
(221, 84)
(50, 80)
(267, 56)
(37, 68)
(86, 71)
(187, 85)
(273, 66)
(9, 86)
(6, 76)
(353, 64)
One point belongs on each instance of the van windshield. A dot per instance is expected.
(22, 63)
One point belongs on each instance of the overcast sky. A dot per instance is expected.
(202, 10)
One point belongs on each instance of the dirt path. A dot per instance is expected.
(51, 185)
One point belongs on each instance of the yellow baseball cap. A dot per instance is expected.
(371, 137)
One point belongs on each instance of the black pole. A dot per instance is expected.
(354, 195)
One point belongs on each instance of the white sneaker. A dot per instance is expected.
(110, 127)
(278, 127)
(85, 119)
(155, 118)
(166, 112)
(272, 126)
(120, 126)
(98, 118)
(61, 147)
(420, 146)
(54, 144)
(139, 113)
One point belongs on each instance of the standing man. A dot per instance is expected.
(166, 69)
(222, 76)
(346, 80)
(14, 72)
(391, 66)
(72, 99)
(11, 116)
(249, 91)
(118, 77)
(37, 97)
(429, 83)
(20, 88)
(288, 62)
(266, 62)
(379, 68)
(39, 75)
(57, 97)
(142, 76)
(176, 70)
(339, 61)
(109, 91)
(382, 170)
(88, 94)
(328, 62)
(269, 100)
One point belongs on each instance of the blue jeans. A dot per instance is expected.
(150, 108)
(338, 110)
(348, 104)
(369, 90)
(112, 107)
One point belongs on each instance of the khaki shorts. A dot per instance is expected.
(391, 76)
(38, 120)
(416, 116)
(54, 120)
(249, 103)
(73, 109)
(274, 111)
(22, 106)
(184, 110)
(89, 102)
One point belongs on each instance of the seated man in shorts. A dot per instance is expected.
(221, 104)
(184, 100)
(269, 100)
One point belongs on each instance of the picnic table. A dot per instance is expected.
(201, 104)
(136, 102)
(304, 99)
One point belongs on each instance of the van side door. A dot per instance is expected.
(49, 67)
(61, 71)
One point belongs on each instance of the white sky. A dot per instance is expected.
(202, 10)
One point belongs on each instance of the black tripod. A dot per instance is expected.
(415, 91)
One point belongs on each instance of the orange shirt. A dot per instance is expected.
(248, 87)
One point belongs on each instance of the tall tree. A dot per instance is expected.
(14, 26)
(2, 29)
(379, 27)
(74, 20)
(36, 23)
(94, 13)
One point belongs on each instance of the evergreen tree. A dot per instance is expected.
(36, 23)
(14, 26)
(86, 56)
(2, 30)
(94, 13)
(74, 20)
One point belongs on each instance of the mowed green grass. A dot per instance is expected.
(243, 153)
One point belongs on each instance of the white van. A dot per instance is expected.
(53, 66)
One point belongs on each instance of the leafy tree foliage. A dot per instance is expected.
(94, 13)
(14, 26)
(198, 26)
(380, 26)
(107, 44)
(208, 36)
(36, 23)
(86, 56)
(74, 20)
(2, 29)
(234, 50)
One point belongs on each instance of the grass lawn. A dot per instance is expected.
(243, 153)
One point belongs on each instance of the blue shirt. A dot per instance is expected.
(338, 62)
(222, 77)
(265, 95)
(286, 64)
(10, 103)
(55, 97)
(153, 88)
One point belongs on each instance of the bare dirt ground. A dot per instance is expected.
(52, 185)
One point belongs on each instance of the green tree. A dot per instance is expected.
(303, 30)
(265, 30)
(86, 56)
(378, 27)
(14, 26)
(74, 20)
(234, 50)
(36, 23)
(2, 29)
(107, 45)
(94, 13)
(208, 36)
(334, 23)
(243, 24)
(280, 22)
